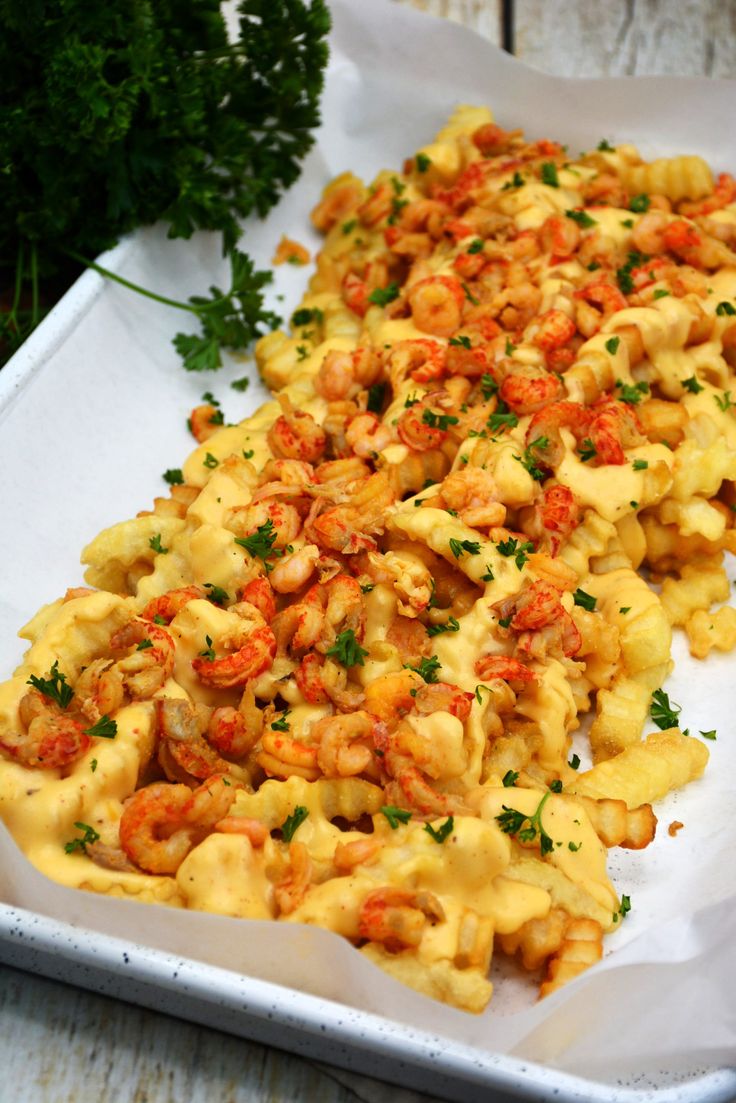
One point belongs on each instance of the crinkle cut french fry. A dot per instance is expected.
(617, 825)
(536, 939)
(582, 947)
(647, 772)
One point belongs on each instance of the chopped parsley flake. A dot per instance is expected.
(423, 162)
(511, 822)
(457, 547)
(511, 547)
(451, 625)
(582, 218)
(510, 778)
(382, 296)
(156, 545)
(105, 728)
(88, 836)
(548, 174)
(173, 476)
(640, 465)
(427, 668)
(293, 822)
(54, 687)
(442, 832)
(612, 344)
(347, 650)
(395, 815)
(260, 543)
(664, 714)
(725, 308)
(585, 601)
(210, 461)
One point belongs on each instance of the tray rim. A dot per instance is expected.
(314, 1026)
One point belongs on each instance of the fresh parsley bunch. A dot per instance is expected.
(119, 114)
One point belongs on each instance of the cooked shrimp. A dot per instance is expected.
(397, 917)
(204, 421)
(166, 606)
(342, 607)
(554, 515)
(614, 426)
(722, 195)
(473, 494)
(546, 424)
(390, 697)
(291, 889)
(367, 435)
(335, 379)
(493, 668)
(527, 389)
(423, 360)
(552, 330)
(99, 690)
(542, 623)
(443, 697)
(52, 740)
(356, 853)
(596, 303)
(162, 822)
(344, 749)
(151, 662)
(294, 571)
(284, 756)
(296, 435)
(559, 236)
(255, 831)
(259, 592)
(227, 732)
(284, 518)
(516, 306)
(253, 647)
(183, 753)
(421, 427)
(436, 305)
(340, 197)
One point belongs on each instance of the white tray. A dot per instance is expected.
(85, 432)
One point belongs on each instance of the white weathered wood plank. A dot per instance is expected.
(586, 38)
(482, 15)
(60, 1044)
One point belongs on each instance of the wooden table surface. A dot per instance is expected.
(62, 1045)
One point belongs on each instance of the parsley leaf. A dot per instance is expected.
(241, 384)
(548, 174)
(294, 821)
(216, 594)
(724, 403)
(209, 651)
(105, 728)
(155, 544)
(452, 625)
(640, 465)
(422, 162)
(664, 714)
(725, 308)
(88, 836)
(428, 668)
(260, 543)
(528, 461)
(511, 822)
(382, 296)
(506, 420)
(54, 687)
(511, 547)
(457, 547)
(582, 218)
(282, 724)
(395, 815)
(640, 204)
(510, 778)
(438, 421)
(691, 384)
(443, 831)
(173, 476)
(585, 601)
(612, 344)
(460, 342)
(347, 650)
(631, 393)
(574, 762)
(587, 450)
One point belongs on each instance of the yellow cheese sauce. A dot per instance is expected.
(332, 678)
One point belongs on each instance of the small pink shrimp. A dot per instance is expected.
(254, 830)
(204, 421)
(556, 514)
(443, 697)
(355, 294)
(166, 606)
(614, 426)
(344, 743)
(436, 305)
(554, 329)
(723, 194)
(421, 427)
(183, 753)
(472, 362)
(296, 435)
(377, 206)
(251, 659)
(492, 140)
(527, 389)
(52, 739)
(366, 434)
(541, 621)
(162, 822)
(340, 198)
(559, 236)
(422, 359)
(227, 732)
(259, 593)
(502, 668)
(341, 605)
(546, 424)
(150, 663)
(596, 304)
(397, 917)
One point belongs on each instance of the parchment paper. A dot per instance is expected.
(92, 411)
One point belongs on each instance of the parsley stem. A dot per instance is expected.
(136, 287)
(35, 317)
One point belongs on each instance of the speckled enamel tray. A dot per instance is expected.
(314, 1028)
(85, 434)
